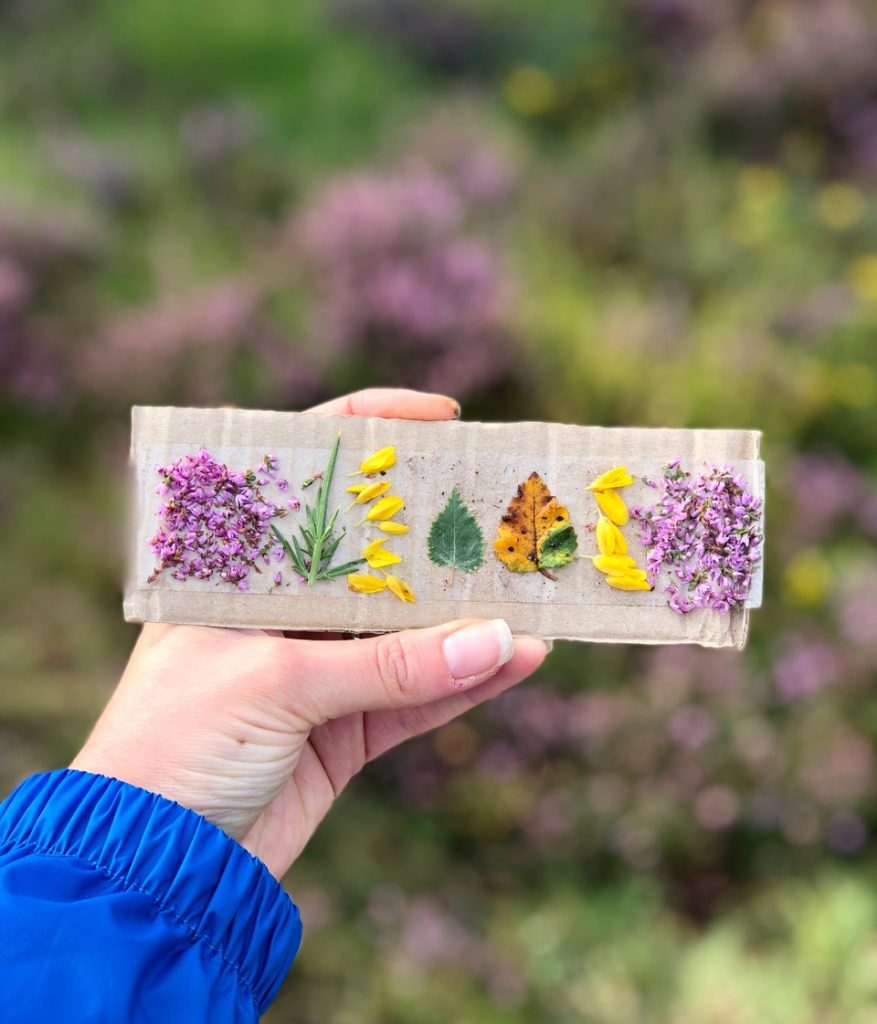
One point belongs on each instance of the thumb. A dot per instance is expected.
(395, 670)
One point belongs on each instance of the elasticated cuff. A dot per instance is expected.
(191, 869)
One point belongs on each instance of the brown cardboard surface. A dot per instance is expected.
(486, 461)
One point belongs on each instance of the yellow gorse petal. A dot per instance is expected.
(378, 559)
(613, 507)
(375, 545)
(357, 488)
(363, 584)
(618, 476)
(392, 527)
(613, 565)
(377, 462)
(610, 540)
(373, 491)
(369, 492)
(400, 588)
(385, 508)
(629, 581)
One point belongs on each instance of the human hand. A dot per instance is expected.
(259, 732)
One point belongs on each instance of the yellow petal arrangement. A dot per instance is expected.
(610, 540)
(362, 583)
(612, 506)
(400, 588)
(380, 516)
(386, 508)
(378, 462)
(612, 478)
(393, 528)
(366, 492)
(376, 555)
(620, 570)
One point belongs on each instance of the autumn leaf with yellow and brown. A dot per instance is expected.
(535, 534)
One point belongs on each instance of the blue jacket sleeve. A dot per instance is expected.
(119, 905)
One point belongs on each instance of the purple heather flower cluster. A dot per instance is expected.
(707, 530)
(404, 275)
(215, 522)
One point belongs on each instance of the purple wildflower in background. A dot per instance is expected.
(404, 275)
(707, 531)
(215, 522)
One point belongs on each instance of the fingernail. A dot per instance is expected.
(478, 648)
(456, 407)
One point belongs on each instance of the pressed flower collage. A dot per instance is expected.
(697, 541)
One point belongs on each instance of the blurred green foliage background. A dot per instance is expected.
(655, 212)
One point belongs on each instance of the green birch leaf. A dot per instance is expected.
(455, 539)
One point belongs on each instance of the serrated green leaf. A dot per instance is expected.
(455, 538)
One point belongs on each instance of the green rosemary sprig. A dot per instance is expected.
(312, 556)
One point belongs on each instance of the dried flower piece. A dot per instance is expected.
(386, 508)
(400, 588)
(707, 530)
(535, 534)
(610, 540)
(369, 493)
(374, 546)
(612, 506)
(381, 558)
(377, 462)
(618, 476)
(613, 565)
(214, 521)
(392, 527)
(629, 581)
(362, 583)
(313, 556)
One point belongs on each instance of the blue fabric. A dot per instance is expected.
(117, 905)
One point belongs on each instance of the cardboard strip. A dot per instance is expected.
(486, 462)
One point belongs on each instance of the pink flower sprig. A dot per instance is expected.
(215, 522)
(707, 531)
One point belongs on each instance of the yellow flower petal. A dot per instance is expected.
(392, 527)
(613, 507)
(377, 462)
(400, 588)
(364, 584)
(369, 492)
(373, 491)
(618, 476)
(375, 545)
(610, 540)
(613, 565)
(628, 581)
(380, 558)
(357, 488)
(386, 508)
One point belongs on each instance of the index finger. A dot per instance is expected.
(392, 403)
